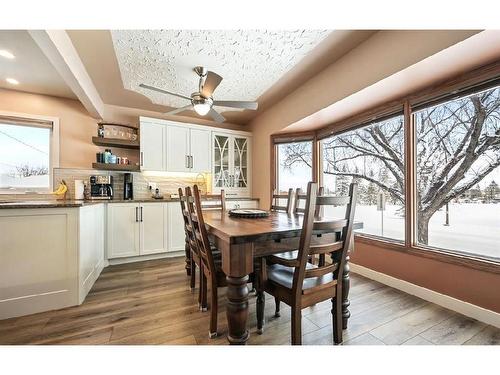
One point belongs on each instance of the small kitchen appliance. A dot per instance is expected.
(128, 187)
(101, 187)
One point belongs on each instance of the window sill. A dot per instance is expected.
(432, 253)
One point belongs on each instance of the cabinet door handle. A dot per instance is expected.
(192, 161)
(141, 159)
(187, 161)
(141, 215)
(136, 214)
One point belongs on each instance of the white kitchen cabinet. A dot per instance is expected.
(49, 257)
(200, 150)
(231, 164)
(123, 230)
(177, 148)
(176, 235)
(136, 229)
(152, 148)
(152, 222)
(91, 237)
(187, 149)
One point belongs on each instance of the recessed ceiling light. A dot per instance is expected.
(12, 81)
(6, 54)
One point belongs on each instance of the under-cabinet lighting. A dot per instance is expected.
(6, 54)
(12, 81)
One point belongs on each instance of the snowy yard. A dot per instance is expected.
(474, 227)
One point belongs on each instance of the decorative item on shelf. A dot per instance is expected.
(117, 131)
(248, 213)
(100, 131)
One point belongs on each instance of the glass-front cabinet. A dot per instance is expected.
(231, 164)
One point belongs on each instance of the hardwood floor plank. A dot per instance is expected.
(417, 340)
(402, 329)
(488, 336)
(364, 339)
(453, 331)
(151, 303)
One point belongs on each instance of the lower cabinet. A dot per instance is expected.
(136, 229)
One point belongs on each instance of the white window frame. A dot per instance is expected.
(53, 151)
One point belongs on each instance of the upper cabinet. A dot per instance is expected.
(178, 147)
(152, 156)
(231, 164)
(188, 149)
(175, 147)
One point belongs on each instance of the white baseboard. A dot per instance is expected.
(141, 258)
(465, 308)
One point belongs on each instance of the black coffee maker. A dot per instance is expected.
(128, 187)
(101, 187)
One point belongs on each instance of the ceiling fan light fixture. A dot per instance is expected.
(201, 105)
(202, 108)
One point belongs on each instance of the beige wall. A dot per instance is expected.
(380, 56)
(76, 127)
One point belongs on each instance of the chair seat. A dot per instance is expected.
(283, 276)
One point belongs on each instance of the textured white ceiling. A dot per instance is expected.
(250, 61)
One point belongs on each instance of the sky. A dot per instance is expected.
(31, 147)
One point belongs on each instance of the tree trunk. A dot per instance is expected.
(423, 227)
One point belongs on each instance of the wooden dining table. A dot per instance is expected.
(242, 240)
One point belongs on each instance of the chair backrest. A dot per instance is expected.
(213, 201)
(276, 204)
(200, 231)
(336, 249)
(186, 200)
(300, 196)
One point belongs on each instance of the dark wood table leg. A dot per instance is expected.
(188, 257)
(346, 284)
(237, 310)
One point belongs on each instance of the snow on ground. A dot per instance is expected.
(474, 227)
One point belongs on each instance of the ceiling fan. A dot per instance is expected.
(202, 100)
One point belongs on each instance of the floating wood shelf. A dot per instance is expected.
(116, 167)
(115, 142)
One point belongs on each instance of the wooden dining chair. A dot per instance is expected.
(301, 284)
(210, 261)
(213, 201)
(276, 202)
(194, 254)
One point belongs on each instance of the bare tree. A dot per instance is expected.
(30, 170)
(458, 144)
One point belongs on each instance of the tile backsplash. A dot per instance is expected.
(167, 184)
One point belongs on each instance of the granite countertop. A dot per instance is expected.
(80, 203)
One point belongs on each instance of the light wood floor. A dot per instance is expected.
(150, 303)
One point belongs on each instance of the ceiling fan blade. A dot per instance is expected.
(216, 115)
(236, 104)
(163, 91)
(211, 81)
(179, 110)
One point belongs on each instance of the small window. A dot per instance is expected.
(27, 155)
(294, 165)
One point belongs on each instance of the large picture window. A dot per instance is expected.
(372, 156)
(294, 165)
(29, 152)
(458, 174)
